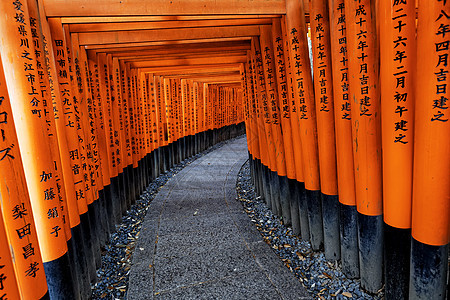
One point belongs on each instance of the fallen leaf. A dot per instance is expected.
(347, 294)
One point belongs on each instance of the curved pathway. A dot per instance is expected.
(197, 243)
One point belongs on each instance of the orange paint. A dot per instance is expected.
(77, 91)
(45, 91)
(105, 105)
(397, 69)
(293, 100)
(17, 221)
(431, 179)
(283, 99)
(252, 131)
(342, 111)
(99, 122)
(60, 122)
(23, 89)
(126, 96)
(324, 103)
(9, 286)
(268, 58)
(365, 105)
(264, 127)
(117, 107)
(303, 88)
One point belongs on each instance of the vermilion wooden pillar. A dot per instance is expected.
(431, 179)
(363, 59)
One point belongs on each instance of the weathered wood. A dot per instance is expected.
(132, 36)
(125, 19)
(178, 56)
(173, 70)
(169, 51)
(189, 61)
(74, 8)
(144, 45)
(122, 26)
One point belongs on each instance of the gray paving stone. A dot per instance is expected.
(176, 271)
(197, 243)
(252, 285)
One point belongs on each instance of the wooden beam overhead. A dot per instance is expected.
(179, 49)
(180, 56)
(201, 76)
(145, 45)
(85, 20)
(224, 78)
(120, 37)
(115, 26)
(189, 61)
(98, 8)
(183, 69)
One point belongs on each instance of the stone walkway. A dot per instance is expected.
(197, 243)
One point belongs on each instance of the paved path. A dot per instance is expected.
(197, 243)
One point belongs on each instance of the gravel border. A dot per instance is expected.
(322, 279)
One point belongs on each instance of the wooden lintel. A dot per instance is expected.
(98, 8)
(125, 19)
(144, 45)
(178, 49)
(190, 62)
(183, 69)
(120, 26)
(118, 37)
(200, 76)
(187, 54)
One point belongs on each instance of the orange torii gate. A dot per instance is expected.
(351, 149)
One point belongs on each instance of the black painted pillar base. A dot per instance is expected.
(137, 179)
(95, 219)
(303, 211)
(315, 219)
(370, 244)
(74, 268)
(169, 156)
(349, 240)
(397, 250)
(285, 200)
(266, 187)
(150, 168)
(80, 263)
(428, 271)
(115, 196)
(274, 184)
(330, 214)
(259, 187)
(123, 200)
(293, 204)
(156, 162)
(59, 278)
(102, 219)
(109, 209)
(131, 184)
(143, 174)
(179, 158)
(126, 188)
(86, 228)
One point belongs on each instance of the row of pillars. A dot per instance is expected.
(82, 137)
(353, 151)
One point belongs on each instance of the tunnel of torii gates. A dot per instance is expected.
(97, 98)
